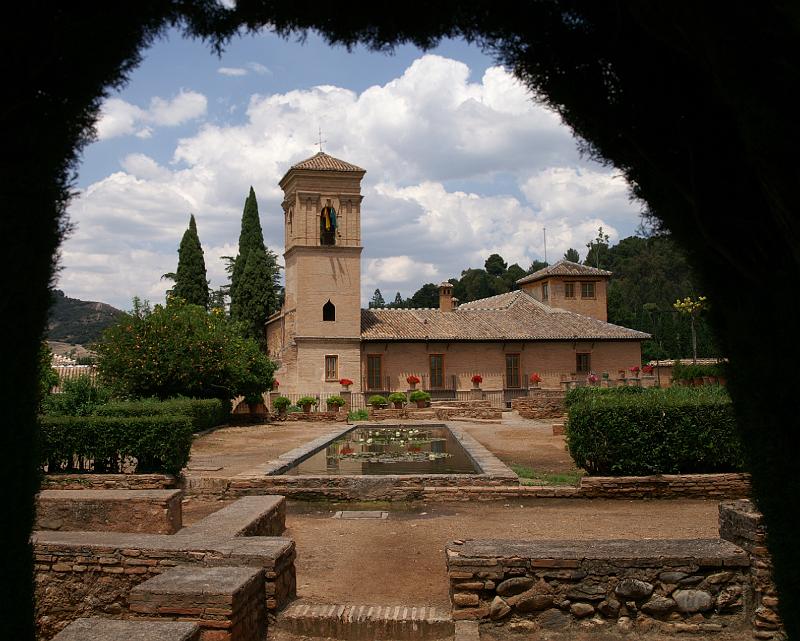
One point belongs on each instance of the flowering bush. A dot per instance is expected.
(535, 378)
(634, 369)
(412, 380)
(477, 379)
(345, 382)
(592, 377)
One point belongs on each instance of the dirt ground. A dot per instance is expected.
(400, 560)
(519, 441)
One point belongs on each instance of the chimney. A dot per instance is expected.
(446, 297)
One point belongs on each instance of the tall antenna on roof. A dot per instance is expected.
(544, 231)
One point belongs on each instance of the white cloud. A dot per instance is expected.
(232, 71)
(456, 170)
(258, 68)
(120, 118)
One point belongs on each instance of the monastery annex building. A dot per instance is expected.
(554, 325)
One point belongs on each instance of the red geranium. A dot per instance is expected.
(647, 369)
(412, 380)
(346, 450)
(345, 382)
(477, 378)
(634, 369)
(535, 378)
(275, 384)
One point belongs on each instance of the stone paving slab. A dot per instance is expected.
(114, 630)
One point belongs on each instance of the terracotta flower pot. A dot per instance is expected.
(398, 406)
(307, 409)
(333, 408)
(421, 404)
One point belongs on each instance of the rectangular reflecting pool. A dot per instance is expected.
(382, 450)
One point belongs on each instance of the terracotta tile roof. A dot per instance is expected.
(321, 161)
(511, 316)
(563, 267)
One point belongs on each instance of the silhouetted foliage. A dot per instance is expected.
(572, 255)
(191, 283)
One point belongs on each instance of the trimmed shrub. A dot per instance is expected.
(336, 400)
(204, 413)
(306, 400)
(281, 403)
(377, 401)
(688, 372)
(580, 394)
(358, 415)
(657, 431)
(79, 396)
(398, 397)
(110, 443)
(419, 395)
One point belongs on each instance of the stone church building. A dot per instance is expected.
(554, 325)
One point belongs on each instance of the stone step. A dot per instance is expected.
(366, 622)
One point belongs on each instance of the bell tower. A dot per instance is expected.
(321, 315)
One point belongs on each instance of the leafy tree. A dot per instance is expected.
(510, 278)
(48, 378)
(398, 302)
(691, 308)
(254, 289)
(181, 349)
(377, 301)
(495, 265)
(474, 284)
(426, 296)
(572, 255)
(597, 256)
(716, 111)
(191, 283)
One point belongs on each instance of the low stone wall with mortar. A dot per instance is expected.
(540, 403)
(82, 574)
(153, 511)
(108, 482)
(742, 524)
(670, 585)
(314, 417)
(406, 413)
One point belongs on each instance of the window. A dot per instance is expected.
(437, 370)
(329, 311)
(374, 371)
(569, 290)
(545, 291)
(583, 363)
(512, 370)
(587, 290)
(331, 367)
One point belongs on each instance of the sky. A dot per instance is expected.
(461, 163)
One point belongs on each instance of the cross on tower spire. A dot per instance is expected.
(320, 139)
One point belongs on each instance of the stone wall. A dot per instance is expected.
(314, 417)
(742, 524)
(669, 585)
(540, 403)
(108, 482)
(154, 511)
(91, 573)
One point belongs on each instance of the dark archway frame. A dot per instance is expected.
(690, 101)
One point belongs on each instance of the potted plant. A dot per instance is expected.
(634, 370)
(592, 378)
(334, 403)
(647, 369)
(477, 379)
(412, 381)
(275, 385)
(345, 383)
(535, 380)
(306, 402)
(420, 398)
(398, 399)
(255, 402)
(280, 404)
(377, 401)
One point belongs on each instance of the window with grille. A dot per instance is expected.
(583, 363)
(331, 368)
(587, 290)
(512, 370)
(374, 371)
(437, 370)
(569, 290)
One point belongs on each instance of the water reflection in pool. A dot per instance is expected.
(399, 449)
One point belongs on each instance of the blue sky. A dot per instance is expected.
(460, 163)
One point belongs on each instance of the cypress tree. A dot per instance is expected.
(191, 283)
(255, 283)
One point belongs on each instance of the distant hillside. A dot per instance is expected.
(78, 321)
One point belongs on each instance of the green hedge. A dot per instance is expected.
(580, 394)
(655, 431)
(106, 443)
(204, 413)
(688, 372)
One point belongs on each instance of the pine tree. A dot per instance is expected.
(191, 283)
(572, 255)
(255, 286)
(377, 301)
